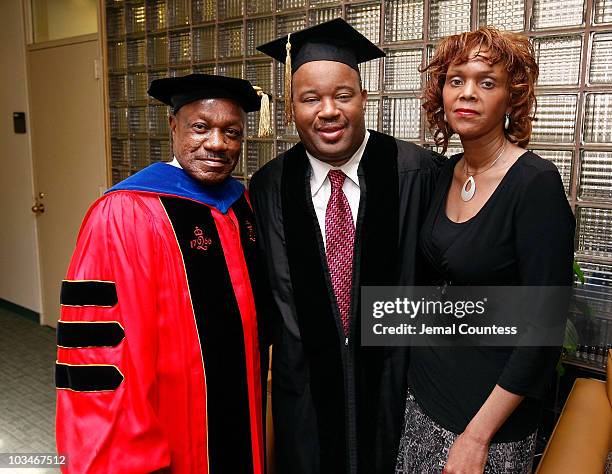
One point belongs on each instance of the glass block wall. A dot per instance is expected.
(572, 39)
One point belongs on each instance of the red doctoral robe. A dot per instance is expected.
(158, 364)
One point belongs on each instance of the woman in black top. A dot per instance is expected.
(499, 217)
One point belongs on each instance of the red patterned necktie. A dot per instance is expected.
(339, 240)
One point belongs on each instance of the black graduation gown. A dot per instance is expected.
(338, 407)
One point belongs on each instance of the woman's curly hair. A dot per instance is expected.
(513, 51)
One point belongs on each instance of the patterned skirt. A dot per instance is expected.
(425, 445)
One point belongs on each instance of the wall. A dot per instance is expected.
(57, 19)
(19, 273)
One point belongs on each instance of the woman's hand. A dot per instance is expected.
(467, 455)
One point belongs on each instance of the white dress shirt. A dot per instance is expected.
(320, 187)
(174, 163)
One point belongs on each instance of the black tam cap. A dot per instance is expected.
(333, 40)
(178, 91)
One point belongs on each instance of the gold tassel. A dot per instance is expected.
(265, 117)
(288, 115)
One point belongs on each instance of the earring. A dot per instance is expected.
(507, 122)
(446, 121)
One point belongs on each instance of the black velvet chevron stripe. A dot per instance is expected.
(88, 293)
(89, 334)
(87, 378)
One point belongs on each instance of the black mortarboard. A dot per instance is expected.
(178, 91)
(333, 40)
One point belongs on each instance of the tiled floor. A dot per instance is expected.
(27, 388)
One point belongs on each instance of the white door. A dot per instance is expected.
(67, 121)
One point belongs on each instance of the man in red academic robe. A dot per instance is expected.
(158, 365)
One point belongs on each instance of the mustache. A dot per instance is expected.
(332, 122)
(212, 156)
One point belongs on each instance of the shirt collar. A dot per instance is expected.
(321, 168)
(174, 163)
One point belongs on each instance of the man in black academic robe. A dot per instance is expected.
(337, 406)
